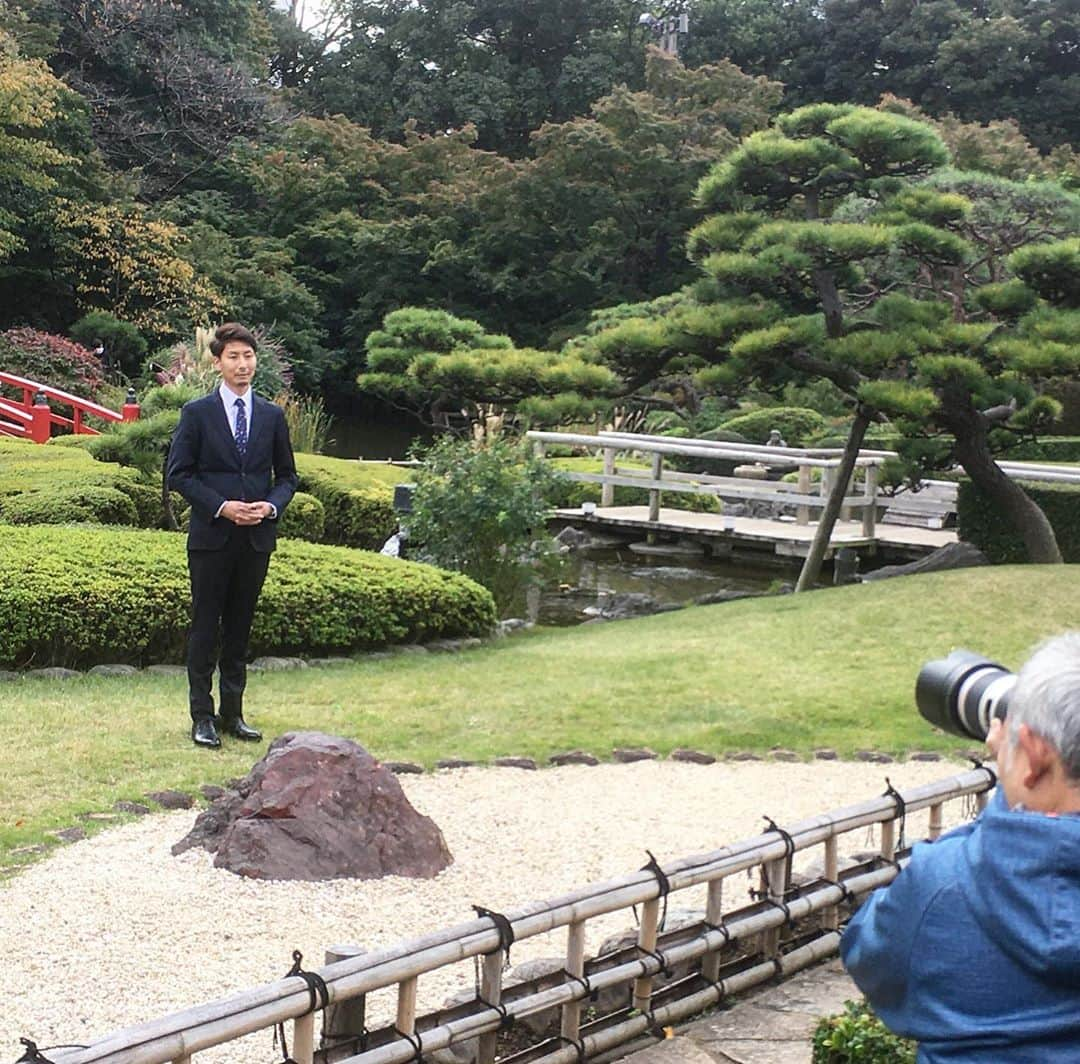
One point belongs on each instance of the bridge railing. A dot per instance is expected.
(32, 418)
(790, 925)
(863, 492)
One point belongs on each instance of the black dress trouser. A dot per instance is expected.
(225, 586)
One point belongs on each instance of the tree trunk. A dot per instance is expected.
(812, 566)
(972, 451)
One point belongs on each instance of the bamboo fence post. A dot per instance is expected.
(934, 827)
(654, 493)
(802, 513)
(303, 1050)
(714, 914)
(775, 874)
(491, 992)
(406, 1005)
(832, 873)
(575, 965)
(607, 489)
(650, 915)
(888, 839)
(344, 1021)
(869, 514)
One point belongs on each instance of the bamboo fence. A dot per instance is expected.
(788, 928)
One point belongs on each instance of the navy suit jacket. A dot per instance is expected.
(207, 469)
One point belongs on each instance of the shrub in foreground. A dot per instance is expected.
(84, 596)
(857, 1036)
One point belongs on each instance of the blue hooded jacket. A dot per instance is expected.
(974, 949)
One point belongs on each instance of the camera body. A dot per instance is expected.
(963, 693)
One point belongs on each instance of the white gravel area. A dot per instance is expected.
(114, 930)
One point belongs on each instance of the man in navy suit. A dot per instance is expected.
(232, 460)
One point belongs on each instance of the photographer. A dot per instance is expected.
(974, 949)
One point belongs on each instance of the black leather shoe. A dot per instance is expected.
(240, 729)
(204, 733)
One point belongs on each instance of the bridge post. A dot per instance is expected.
(607, 490)
(654, 493)
(130, 410)
(40, 427)
(869, 514)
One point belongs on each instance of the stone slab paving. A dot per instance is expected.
(771, 1026)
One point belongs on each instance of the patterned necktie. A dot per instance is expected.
(241, 426)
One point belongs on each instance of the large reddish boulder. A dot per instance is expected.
(318, 807)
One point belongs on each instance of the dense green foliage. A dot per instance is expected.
(82, 596)
(357, 498)
(304, 518)
(480, 510)
(58, 485)
(979, 521)
(857, 1036)
(798, 426)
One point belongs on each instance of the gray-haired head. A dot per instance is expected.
(1047, 698)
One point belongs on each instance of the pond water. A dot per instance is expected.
(591, 582)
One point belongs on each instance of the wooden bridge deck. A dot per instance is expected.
(785, 537)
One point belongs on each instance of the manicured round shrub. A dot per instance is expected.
(99, 505)
(357, 498)
(304, 518)
(797, 424)
(50, 359)
(83, 596)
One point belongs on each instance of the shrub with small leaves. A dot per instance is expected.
(857, 1036)
(303, 518)
(52, 360)
(80, 596)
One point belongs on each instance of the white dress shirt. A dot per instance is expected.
(228, 400)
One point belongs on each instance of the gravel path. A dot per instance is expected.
(114, 931)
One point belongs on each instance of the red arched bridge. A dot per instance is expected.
(32, 417)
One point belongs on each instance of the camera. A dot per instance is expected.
(963, 693)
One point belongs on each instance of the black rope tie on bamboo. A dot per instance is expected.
(991, 775)
(590, 991)
(663, 886)
(33, 1055)
(506, 1020)
(416, 1042)
(578, 1045)
(656, 955)
(502, 925)
(319, 998)
(901, 810)
(720, 929)
(766, 894)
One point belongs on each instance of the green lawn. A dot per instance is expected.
(833, 668)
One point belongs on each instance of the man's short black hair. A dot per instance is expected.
(232, 330)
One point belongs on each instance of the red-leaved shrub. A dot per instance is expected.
(50, 359)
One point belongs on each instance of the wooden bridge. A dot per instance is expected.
(31, 417)
(908, 524)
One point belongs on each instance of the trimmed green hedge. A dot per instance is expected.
(1046, 449)
(304, 518)
(83, 596)
(979, 523)
(797, 424)
(60, 485)
(357, 498)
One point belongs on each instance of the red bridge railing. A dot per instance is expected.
(32, 418)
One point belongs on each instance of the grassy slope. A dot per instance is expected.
(833, 668)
